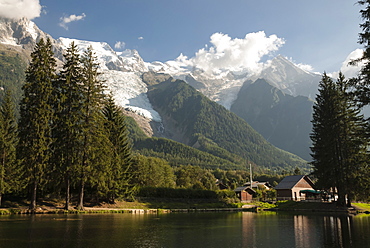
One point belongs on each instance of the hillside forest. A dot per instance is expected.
(62, 136)
(67, 139)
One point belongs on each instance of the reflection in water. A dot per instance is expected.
(303, 231)
(339, 231)
(243, 229)
(248, 230)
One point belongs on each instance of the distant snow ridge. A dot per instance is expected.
(121, 72)
(108, 59)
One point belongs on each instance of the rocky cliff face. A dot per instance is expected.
(23, 34)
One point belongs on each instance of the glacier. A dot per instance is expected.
(121, 73)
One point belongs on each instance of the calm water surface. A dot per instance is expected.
(242, 229)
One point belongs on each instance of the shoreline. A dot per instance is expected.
(143, 208)
(91, 210)
(13, 211)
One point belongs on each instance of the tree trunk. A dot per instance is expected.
(341, 198)
(67, 181)
(349, 201)
(33, 196)
(80, 205)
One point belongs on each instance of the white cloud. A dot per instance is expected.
(120, 45)
(305, 67)
(16, 9)
(350, 70)
(72, 18)
(226, 53)
(140, 38)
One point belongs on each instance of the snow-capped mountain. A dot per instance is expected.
(23, 34)
(19, 33)
(289, 78)
(122, 70)
(108, 59)
(224, 86)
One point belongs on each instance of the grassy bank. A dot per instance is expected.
(157, 205)
(362, 207)
(321, 207)
(142, 205)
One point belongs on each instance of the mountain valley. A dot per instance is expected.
(218, 114)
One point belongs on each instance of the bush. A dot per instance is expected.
(177, 193)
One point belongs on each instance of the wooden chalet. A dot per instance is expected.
(296, 188)
(244, 193)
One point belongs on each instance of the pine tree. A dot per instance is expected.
(362, 82)
(338, 145)
(9, 170)
(67, 126)
(119, 175)
(94, 157)
(36, 116)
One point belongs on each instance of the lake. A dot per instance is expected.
(209, 229)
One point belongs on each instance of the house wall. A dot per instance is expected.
(245, 197)
(294, 193)
(283, 194)
(303, 184)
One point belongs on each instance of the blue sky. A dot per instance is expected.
(320, 33)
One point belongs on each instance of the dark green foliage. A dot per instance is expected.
(209, 146)
(152, 172)
(36, 115)
(120, 169)
(12, 72)
(232, 178)
(177, 193)
(179, 154)
(95, 144)
(339, 149)
(135, 132)
(67, 128)
(362, 82)
(198, 117)
(195, 177)
(9, 170)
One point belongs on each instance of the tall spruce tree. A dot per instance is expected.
(9, 169)
(119, 173)
(36, 116)
(338, 144)
(362, 82)
(67, 128)
(95, 156)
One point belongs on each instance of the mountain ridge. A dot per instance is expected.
(125, 72)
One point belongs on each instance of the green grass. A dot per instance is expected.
(362, 206)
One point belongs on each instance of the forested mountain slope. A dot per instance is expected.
(197, 119)
(283, 120)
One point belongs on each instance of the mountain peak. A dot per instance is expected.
(20, 32)
(290, 78)
(108, 59)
